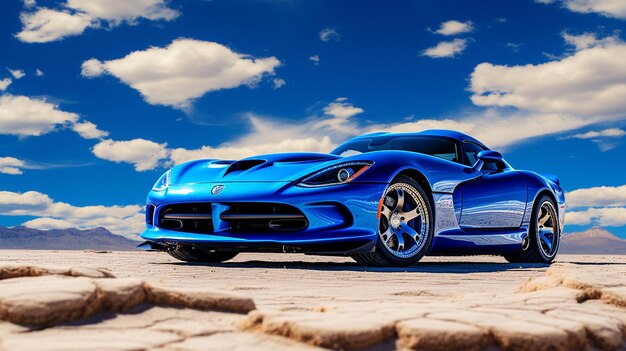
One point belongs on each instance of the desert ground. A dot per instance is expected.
(75, 300)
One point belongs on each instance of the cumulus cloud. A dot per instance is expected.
(601, 196)
(605, 216)
(590, 82)
(46, 25)
(88, 130)
(126, 220)
(122, 10)
(143, 154)
(606, 133)
(4, 83)
(184, 70)
(315, 59)
(607, 8)
(454, 27)
(75, 16)
(329, 34)
(11, 165)
(278, 83)
(446, 49)
(16, 73)
(606, 139)
(24, 116)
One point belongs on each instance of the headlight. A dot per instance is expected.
(337, 174)
(163, 182)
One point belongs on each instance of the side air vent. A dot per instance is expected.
(244, 165)
(191, 218)
(149, 213)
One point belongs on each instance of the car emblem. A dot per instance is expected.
(217, 189)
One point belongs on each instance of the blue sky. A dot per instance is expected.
(98, 98)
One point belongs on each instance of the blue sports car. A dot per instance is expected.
(385, 199)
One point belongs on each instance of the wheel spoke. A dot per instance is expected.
(400, 201)
(544, 219)
(411, 232)
(544, 239)
(386, 235)
(412, 214)
(385, 211)
(400, 239)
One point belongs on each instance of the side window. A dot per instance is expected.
(471, 156)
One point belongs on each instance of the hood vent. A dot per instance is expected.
(243, 165)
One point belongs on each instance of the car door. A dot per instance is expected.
(496, 199)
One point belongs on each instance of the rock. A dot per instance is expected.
(58, 339)
(199, 299)
(238, 341)
(121, 294)
(47, 300)
(328, 329)
(431, 334)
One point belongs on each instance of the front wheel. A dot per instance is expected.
(544, 235)
(190, 254)
(405, 227)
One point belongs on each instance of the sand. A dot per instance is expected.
(62, 300)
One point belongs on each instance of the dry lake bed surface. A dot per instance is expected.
(79, 300)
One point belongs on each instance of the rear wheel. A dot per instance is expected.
(405, 227)
(544, 236)
(190, 254)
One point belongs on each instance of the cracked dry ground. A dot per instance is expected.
(148, 301)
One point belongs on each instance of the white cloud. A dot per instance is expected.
(46, 25)
(455, 27)
(143, 154)
(126, 220)
(184, 70)
(605, 216)
(311, 144)
(11, 165)
(16, 73)
(278, 83)
(588, 40)
(607, 8)
(315, 59)
(29, 3)
(446, 49)
(39, 73)
(606, 133)
(123, 10)
(24, 116)
(88, 130)
(591, 82)
(329, 34)
(4, 83)
(601, 196)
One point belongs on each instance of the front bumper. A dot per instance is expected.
(341, 216)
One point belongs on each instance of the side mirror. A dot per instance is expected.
(487, 156)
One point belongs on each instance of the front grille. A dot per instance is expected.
(240, 217)
(191, 218)
(245, 217)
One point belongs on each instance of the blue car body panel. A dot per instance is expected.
(475, 212)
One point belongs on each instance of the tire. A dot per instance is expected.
(190, 254)
(538, 250)
(401, 241)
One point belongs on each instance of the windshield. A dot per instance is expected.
(446, 149)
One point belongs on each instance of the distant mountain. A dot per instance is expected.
(63, 239)
(594, 241)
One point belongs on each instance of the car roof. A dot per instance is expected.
(461, 137)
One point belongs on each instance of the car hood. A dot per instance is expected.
(284, 167)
